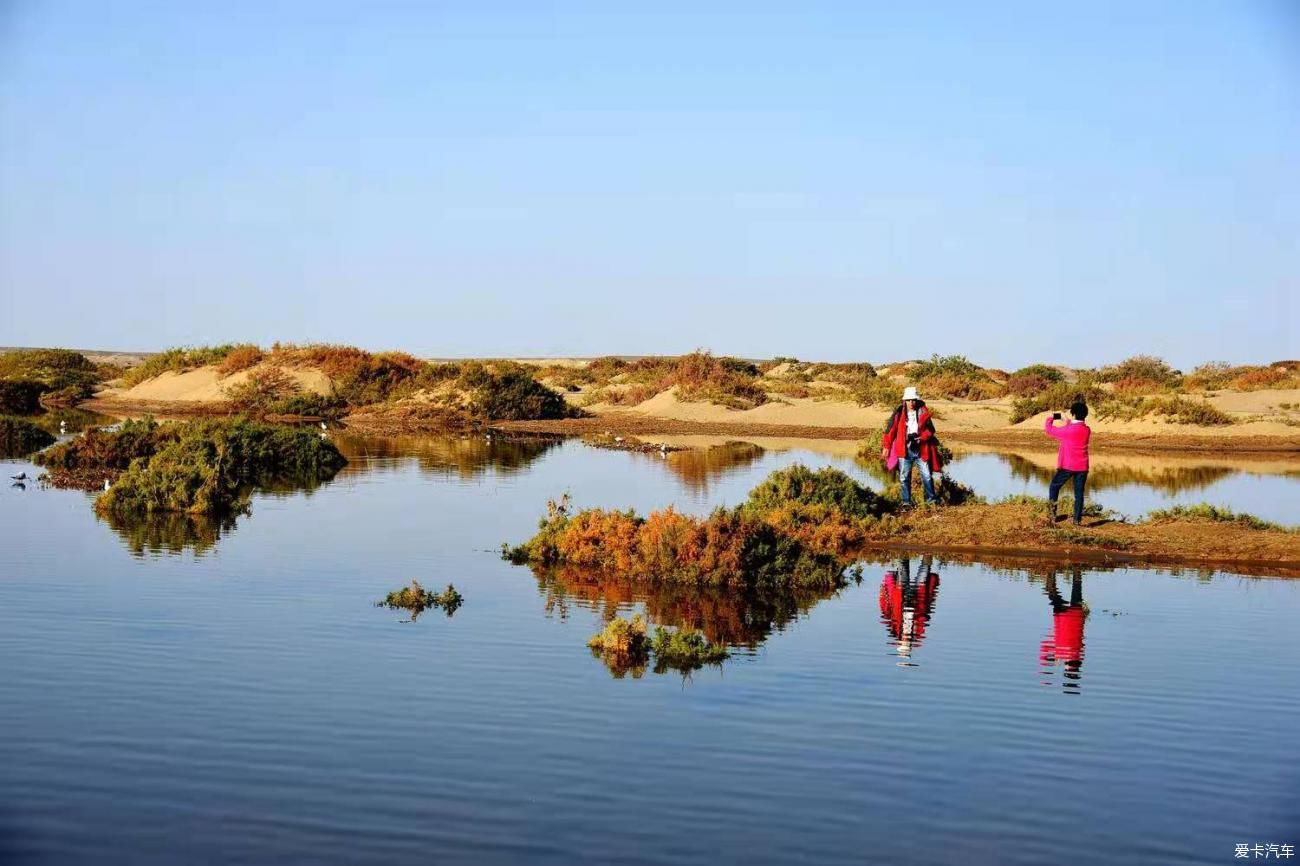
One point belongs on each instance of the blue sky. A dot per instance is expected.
(1011, 181)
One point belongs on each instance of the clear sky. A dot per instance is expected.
(1011, 181)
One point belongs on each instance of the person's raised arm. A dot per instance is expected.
(1050, 428)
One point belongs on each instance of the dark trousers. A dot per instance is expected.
(1058, 481)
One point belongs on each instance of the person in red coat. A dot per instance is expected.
(906, 605)
(1065, 643)
(909, 440)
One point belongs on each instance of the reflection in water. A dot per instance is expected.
(721, 614)
(465, 456)
(169, 532)
(906, 605)
(1171, 479)
(698, 468)
(1065, 644)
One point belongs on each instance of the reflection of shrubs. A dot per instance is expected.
(20, 396)
(208, 467)
(1214, 514)
(417, 600)
(19, 437)
(69, 373)
(169, 532)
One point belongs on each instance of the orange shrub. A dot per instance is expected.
(1027, 385)
(240, 357)
(1135, 385)
(1260, 378)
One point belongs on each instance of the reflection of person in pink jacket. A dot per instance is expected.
(1065, 643)
(906, 604)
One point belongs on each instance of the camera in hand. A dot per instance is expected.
(1056, 416)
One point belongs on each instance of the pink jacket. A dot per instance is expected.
(1074, 436)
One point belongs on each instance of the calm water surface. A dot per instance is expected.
(197, 694)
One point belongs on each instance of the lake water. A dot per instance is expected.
(204, 694)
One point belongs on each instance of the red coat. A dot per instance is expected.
(894, 440)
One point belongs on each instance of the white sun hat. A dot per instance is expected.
(909, 393)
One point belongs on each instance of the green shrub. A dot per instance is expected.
(1042, 371)
(624, 647)
(262, 389)
(1056, 398)
(175, 360)
(684, 650)
(61, 370)
(417, 600)
(946, 365)
(19, 437)
(211, 465)
(878, 392)
(309, 405)
(800, 485)
(97, 455)
(21, 396)
(1146, 367)
(509, 393)
(1204, 511)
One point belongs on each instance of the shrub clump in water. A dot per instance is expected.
(208, 467)
(796, 529)
(99, 455)
(416, 599)
(625, 647)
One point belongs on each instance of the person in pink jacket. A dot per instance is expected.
(1071, 457)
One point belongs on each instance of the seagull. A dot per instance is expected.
(21, 476)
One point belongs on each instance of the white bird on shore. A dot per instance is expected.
(322, 426)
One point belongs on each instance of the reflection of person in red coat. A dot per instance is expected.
(906, 604)
(1065, 643)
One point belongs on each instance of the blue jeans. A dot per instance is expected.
(905, 477)
(1058, 481)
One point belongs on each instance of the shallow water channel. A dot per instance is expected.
(182, 692)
